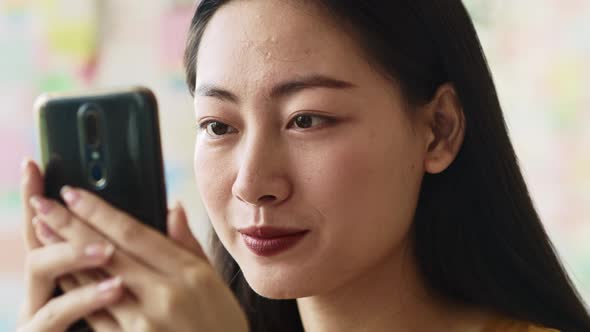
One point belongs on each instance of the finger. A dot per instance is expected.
(121, 314)
(108, 318)
(138, 275)
(45, 264)
(132, 236)
(179, 230)
(113, 317)
(31, 185)
(100, 320)
(62, 311)
(49, 263)
(43, 233)
(47, 236)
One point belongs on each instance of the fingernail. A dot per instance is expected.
(69, 195)
(24, 164)
(109, 284)
(99, 250)
(40, 204)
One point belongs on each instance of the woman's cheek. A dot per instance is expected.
(212, 176)
(360, 190)
(333, 179)
(342, 173)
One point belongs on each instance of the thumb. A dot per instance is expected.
(179, 231)
(31, 185)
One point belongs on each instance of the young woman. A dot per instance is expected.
(355, 164)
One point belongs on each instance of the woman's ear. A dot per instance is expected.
(446, 129)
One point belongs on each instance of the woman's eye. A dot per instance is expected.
(306, 121)
(216, 128)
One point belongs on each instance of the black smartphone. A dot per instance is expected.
(107, 142)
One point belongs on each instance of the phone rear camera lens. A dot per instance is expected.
(91, 128)
(97, 175)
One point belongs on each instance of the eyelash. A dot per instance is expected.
(326, 120)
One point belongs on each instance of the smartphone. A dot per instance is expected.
(107, 142)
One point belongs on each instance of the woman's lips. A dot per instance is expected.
(269, 246)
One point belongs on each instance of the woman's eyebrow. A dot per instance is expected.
(283, 89)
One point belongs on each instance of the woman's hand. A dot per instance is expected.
(46, 265)
(169, 286)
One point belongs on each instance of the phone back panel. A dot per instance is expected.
(129, 158)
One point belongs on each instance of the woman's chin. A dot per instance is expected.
(278, 288)
(278, 293)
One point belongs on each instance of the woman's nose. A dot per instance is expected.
(262, 176)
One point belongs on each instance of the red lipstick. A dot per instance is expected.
(268, 241)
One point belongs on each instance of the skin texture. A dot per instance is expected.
(352, 181)
(160, 283)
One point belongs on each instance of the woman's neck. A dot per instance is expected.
(390, 297)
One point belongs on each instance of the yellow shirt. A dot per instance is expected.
(514, 326)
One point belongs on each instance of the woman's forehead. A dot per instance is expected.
(273, 40)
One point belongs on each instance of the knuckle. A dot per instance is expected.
(129, 231)
(44, 262)
(49, 314)
(92, 210)
(170, 300)
(142, 324)
(65, 220)
(69, 220)
(198, 277)
(33, 265)
(73, 253)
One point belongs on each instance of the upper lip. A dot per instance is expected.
(269, 232)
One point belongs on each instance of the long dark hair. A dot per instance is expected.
(478, 238)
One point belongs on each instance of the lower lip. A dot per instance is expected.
(272, 246)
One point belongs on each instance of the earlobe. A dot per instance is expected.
(446, 129)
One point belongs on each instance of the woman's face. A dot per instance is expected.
(348, 170)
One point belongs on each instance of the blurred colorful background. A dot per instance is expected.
(538, 50)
